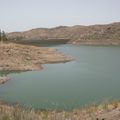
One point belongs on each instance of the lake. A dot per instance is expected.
(93, 76)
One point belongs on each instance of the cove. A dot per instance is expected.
(93, 75)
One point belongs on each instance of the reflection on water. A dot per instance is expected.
(44, 43)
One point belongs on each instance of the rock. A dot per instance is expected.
(4, 79)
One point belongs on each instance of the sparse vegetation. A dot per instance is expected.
(106, 111)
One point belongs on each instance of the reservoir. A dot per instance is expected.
(93, 76)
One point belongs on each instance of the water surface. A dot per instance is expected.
(92, 76)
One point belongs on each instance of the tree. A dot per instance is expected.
(3, 37)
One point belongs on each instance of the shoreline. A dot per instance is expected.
(88, 42)
(16, 57)
(103, 42)
(104, 111)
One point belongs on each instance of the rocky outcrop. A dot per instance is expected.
(90, 35)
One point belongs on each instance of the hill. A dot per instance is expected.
(91, 35)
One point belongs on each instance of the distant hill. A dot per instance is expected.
(91, 35)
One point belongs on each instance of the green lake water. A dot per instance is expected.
(94, 75)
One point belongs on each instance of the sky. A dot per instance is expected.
(21, 15)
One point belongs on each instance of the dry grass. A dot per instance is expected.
(93, 112)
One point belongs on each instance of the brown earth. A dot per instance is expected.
(14, 57)
(108, 34)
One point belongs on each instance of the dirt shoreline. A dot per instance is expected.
(17, 57)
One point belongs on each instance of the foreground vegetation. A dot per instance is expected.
(105, 111)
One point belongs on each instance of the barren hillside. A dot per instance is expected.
(93, 35)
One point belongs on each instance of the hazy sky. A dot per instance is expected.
(17, 15)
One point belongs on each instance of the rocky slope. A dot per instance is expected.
(91, 35)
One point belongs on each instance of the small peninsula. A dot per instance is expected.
(16, 57)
